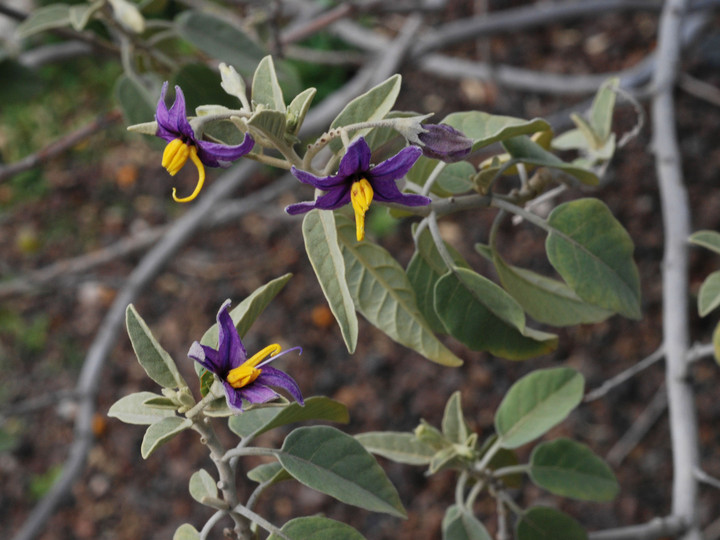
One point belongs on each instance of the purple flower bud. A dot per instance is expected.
(444, 142)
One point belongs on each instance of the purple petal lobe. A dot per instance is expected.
(206, 356)
(257, 393)
(325, 183)
(274, 377)
(233, 396)
(356, 159)
(214, 154)
(335, 198)
(395, 167)
(230, 349)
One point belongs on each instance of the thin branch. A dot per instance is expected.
(676, 226)
(623, 376)
(700, 89)
(705, 478)
(669, 526)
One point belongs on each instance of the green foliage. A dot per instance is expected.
(542, 523)
(40, 484)
(397, 446)
(459, 524)
(266, 91)
(202, 486)
(317, 528)
(161, 432)
(485, 128)
(186, 532)
(134, 409)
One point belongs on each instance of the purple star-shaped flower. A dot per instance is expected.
(243, 378)
(173, 126)
(358, 183)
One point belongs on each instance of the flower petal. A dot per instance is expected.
(395, 167)
(212, 154)
(231, 352)
(274, 377)
(388, 192)
(326, 183)
(258, 393)
(356, 159)
(335, 198)
(206, 356)
(234, 397)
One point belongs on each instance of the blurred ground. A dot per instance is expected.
(96, 195)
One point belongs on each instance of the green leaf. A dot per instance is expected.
(371, 106)
(601, 113)
(545, 299)
(247, 311)
(132, 409)
(709, 297)
(155, 360)
(542, 523)
(161, 432)
(201, 85)
(266, 90)
(707, 239)
(256, 421)
(455, 178)
(44, 18)
(220, 39)
(382, 293)
(525, 150)
(716, 343)
(536, 403)
(570, 469)
(317, 528)
(80, 14)
(397, 446)
(459, 524)
(186, 532)
(161, 402)
(334, 463)
(594, 255)
(484, 317)
(570, 140)
(454, 426)
(137, 103)
(272, 124)
(321, 244)
(298, 109)
(202, 486)
(272, 473)
(486, 128)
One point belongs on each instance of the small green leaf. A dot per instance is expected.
(542, 523)
(247, 311)
(201, 85)
(326, 258)
(266, 90)
(486, 128)
(155, 360)
(570, 140)
(382, 293)
(594, 255)
(317, 528)
(298, 109)
(570, 469)
(371, 106)
(716, 343)
(460, 524)
(525, 150)
(397, 446)
(707, 239)
(601, 113)
(256, 421)
(186, 532)
(272, 125)
(80, 14)
(272, 473)
(132, 409)
(137, 103)
(220, 39)
(709, 297)
(454, 426)
(455, 178)
(161, 402)
(202, 486)
(161, 432)
(334, 463)
(484, 317)
(44, 18)
(536, 403)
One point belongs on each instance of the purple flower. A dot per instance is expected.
(358, 183)
(243, 378)
(173, 126)
(444, 142)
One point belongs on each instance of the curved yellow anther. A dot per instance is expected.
(246, 373)
(361, 195)
(201, 177)
(175, 155)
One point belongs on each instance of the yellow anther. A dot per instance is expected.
(361, 195)
(175, 155)
(201, 177)
(246, 373)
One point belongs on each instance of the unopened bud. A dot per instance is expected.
(128, 15)
(444, 142)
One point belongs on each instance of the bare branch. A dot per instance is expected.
(655, 528)
(623, 376)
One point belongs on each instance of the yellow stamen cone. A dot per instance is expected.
(175, 155)
(201, 177)
(246, 373)
(361, 195)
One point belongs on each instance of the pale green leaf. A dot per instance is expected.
(707, 239)
(137, 102)
(382, 293)
(253, 422)
(371, 106)
(334, 463)
(161, 432)
(397, 446)
(132, 409)
(587, 130)
(161, 402)
(298, 109)
(570, 469)
(80, 14)
(594, 255)
(536, 403)
(155, 360)
(270, 473)
(601, 113)
(542, 523)
(326, 258)
(716, 343)
(709, 296)
(44, 18)
(570, 140)
(271, 124)
(186, 532)
(485, 129)
(317, 528)
(454, 426)
(484, 317)
(459, 524)
(266, 90)
(202, 486)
